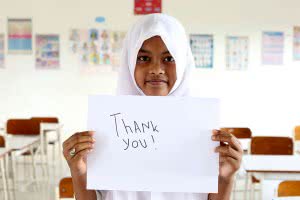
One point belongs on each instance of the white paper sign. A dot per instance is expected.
(159, 144)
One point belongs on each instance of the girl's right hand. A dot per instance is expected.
(83, 143)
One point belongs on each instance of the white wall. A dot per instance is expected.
(265, 98)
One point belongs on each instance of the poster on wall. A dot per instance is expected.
(117, 38)
(47, 51)
(74, 39)
(1, 50)
(202, 48)
(143, 7)
(272, 48)
(296, 43)
(96, 47)
(237, 49)
(19, 36)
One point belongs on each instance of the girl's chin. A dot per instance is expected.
(156, 92)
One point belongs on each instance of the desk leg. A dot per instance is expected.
(246, 187)
(33, 164)
(14, 170)
(4, 178)
(59, 150)
(42, 152)
(13, 175)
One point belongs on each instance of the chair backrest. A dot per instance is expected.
(2, 141)
(238, 131)
(271, 145)
(22, 127)
(46, 119)
(66, 188)
(289, 188)
(297, 133)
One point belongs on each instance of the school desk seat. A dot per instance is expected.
(289, 188)
(65, 188)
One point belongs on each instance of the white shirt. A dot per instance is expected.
(123, 195)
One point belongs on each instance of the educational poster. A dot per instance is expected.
(272, 48)
(202, 47)
(117, 38)
(237, 49)
(143, 7)
(74, 40)
(1, 50)
(19, 36)
(96, 47)
(105, 47)
(47, 51)
(296, 43)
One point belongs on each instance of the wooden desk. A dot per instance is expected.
(272, 167)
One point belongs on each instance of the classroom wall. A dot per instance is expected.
(264, 98)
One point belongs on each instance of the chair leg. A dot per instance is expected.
(246, 187)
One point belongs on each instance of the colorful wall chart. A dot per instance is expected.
(47, 51)
(1, 50)
(19, 36)
(296, 43)
(272, 48)
(202, 48)
(237, 49)
(142, 7)
(96, 47)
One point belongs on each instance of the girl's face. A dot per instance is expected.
(155, 70)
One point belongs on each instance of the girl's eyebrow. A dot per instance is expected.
(146, 51)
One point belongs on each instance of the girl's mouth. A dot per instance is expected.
(156, 82)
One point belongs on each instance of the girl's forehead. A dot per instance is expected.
(153, 43)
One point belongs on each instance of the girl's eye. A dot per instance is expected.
(143, 58)
(169, 59)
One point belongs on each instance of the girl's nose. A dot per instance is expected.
(156, 68)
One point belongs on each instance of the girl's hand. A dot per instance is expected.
(75, 150)
(231, 153)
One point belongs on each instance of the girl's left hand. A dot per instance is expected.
(231, 153)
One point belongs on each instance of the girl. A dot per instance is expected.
(156, 61)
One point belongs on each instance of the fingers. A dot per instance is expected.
(81, 147)
(225, 137)
(227, 151)
(78, 138)
(81, 154)
(81, 141)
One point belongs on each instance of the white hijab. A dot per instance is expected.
(173, 35)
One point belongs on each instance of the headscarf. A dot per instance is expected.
(173, 35)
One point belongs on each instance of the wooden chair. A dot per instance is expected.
(2, 141)
(66, 188)
(22, 127)
(297, 133)
(238, 132)
(269, 146)
(297, 139)
(272, 146)
(289, 188)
